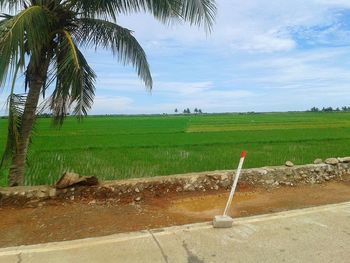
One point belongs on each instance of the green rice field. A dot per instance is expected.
(141, 146)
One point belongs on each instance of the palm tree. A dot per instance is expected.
(41, 38)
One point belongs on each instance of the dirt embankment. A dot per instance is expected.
(136, 189)
(54, 220)
(32, 215)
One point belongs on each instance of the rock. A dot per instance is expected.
(276, 183)
(318, 161)
(289, 164)
(297, 177)
(41, 194)
(312, 180)
(52, 192)
(189, 187)
(69, 179)
(344, 160)
(262, 171)
(137, 190)
(92, 202)
(138, 199)
(224, 177)
(72, 198)
(332, 161)
(270, 182)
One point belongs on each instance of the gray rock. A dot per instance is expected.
(344, 160)
(52, 192)
(289, 164)
(224, 177)
(41, 194)
(297, 177)
(276, 183)
(137, 190)
(262, 171)
(318, 161)
(332, 161)
(189, 187)
(312, 180)
(270, 182)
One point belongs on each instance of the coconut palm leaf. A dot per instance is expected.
(24, 33)
(15, 105)
(198, 12)
(75, 84)
(108, 35)
(13, 5)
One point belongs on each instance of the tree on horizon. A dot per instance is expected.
(41, 38)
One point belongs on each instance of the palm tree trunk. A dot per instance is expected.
(36, 77)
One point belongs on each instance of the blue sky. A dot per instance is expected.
(262, 55)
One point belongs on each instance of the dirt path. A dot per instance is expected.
(57, 221)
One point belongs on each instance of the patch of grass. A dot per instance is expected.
(141, 146)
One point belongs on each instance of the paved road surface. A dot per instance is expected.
(320, 234)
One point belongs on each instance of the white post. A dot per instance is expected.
(229, 201)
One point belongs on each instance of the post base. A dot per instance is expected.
(222, 221)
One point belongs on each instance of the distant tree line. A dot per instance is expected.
(329, 109)
(188, 111)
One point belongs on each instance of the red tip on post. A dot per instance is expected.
(243, 154)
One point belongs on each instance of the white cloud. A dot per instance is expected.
(253, 25)
(112, 104)
(182, 88)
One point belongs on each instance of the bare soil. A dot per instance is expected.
(58, 220)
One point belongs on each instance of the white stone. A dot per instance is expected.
(344, 160)
(289, 164)
(222, 221)
(52, 192)
(318, 161)
(331, 161)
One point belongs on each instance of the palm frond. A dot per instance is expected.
(107, 8)
(15, 105)
(75, 83)
(25, 33)
(108, 35)
(197, 12)
(13, 5)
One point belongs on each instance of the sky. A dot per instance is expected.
(262, 55)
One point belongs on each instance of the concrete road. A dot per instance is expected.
(320, 234)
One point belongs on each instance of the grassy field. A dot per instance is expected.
(140, 146)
